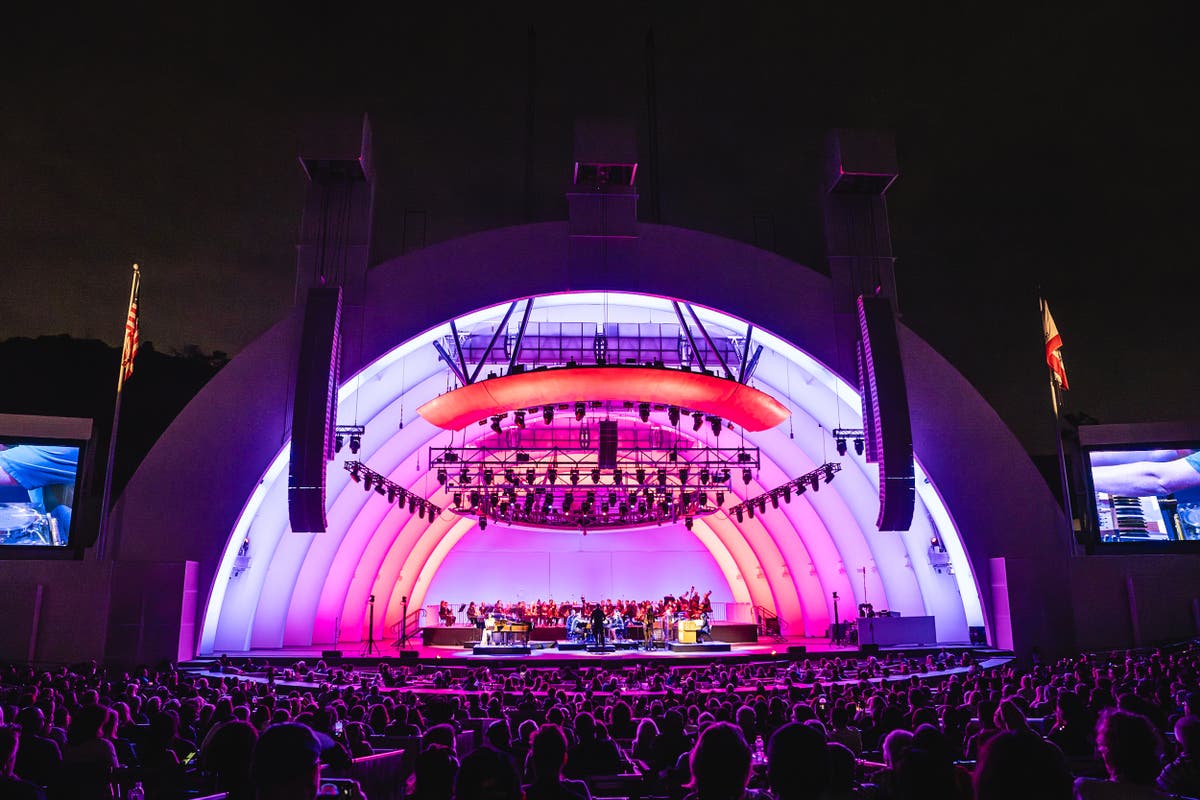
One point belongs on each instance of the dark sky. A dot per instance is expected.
(1036, 146)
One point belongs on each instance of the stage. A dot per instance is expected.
(469, 635)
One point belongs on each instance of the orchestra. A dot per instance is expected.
(621, 618)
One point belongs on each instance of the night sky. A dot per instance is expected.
(1037, 147)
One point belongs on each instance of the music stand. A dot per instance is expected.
(370, 648)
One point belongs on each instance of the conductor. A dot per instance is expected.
(598, 625)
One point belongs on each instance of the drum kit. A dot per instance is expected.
(22, 524)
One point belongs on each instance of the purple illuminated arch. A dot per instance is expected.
(215, 476)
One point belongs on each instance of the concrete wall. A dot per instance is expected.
(1134, 600)
(61, 605)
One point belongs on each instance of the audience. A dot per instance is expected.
(11, 786)
(1129, 747)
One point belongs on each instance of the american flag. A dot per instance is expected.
(130, 347)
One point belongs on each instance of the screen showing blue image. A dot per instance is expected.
(37, 492)
(1146, 493)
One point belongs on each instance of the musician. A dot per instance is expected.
(598, 625)
(706, 603)
(445, 614)
(1146, 473)
(473, 613)
(705, 628)
(648, 621)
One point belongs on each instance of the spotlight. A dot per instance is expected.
(339, 442)
(815, 483)
(547, 414)
(391, 494)
(441, 476)
(421, 510)
(580, 411)
(750, 509)
(705, 475)
(762, 505)
(488, 476)
(368, 479)
(715, 423)
(483, 523)
(574, 477)
(529, 502)
(519, 418)
(457, 498)
(464, 477)
(841, 447)
(496, 425)
(585, 437)
(746, 475)
(552, 475)
(662, 477)
(828, 472)
(858, 445)
(697, 420)
(568, 499)
(720, 498)
(774, 500)
(510, 475)
(641, 476)
(412, 504)
(530, 475)
(683, 475)
(356, 472)
(475, 499)
(595, 475)
(673, 416)
(547, 503)
(702, 499)
(737, 512)
(380, 489)
(687, 523)
(618, 476)
(644, 412)
(355, 443)
(787, 493)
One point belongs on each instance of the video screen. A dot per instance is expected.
(37, 492)
(1146, 495)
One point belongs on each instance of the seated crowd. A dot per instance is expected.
(1094, 726)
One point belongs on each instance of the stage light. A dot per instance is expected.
(464, 477)
(746, 475)
(496, 425)
(737, 512)
(552, 475)
(483, 523)
(355, 444)
(421, 510)
(720, 498)
(662, 477)
(858, 445)
(750, 509)
(828, 473)
(815, 483)
(774, 501)
(529, 502)
(687, 523)
(595, 475)
(841, 447)
(457, 498)
(641, 476)
(715, 423)
(510, 476)
(787, 493)
(574, 477)
(548, 503)
(530, 475)
(673, 455)
(673, 416)
(441, 476)
(380, 489)
(618, 477)
(368, 479)
(547, 414)
(580, 411)
(475, 499)
(412, 504)
(705, 475)
(356, 472)
(762, 505)
(697, 421)
(683, 475)
(702, 499)
(488, 476)
(644, 412)
(585, 437)
(391, 494)
(567, 501)
(339, 441)
(519, 418)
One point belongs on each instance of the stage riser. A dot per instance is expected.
(450, 637)
(736, 632)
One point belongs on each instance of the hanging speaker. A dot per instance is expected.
(892, 426)
(608, 444)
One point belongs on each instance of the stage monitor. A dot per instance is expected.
(41, 473)
(1143, 484)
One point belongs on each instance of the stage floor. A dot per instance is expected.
(356, 652)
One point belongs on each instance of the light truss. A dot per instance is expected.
(371, 480)
(797, 486)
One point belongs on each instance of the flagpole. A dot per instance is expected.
(106, 495)
(1058, 441)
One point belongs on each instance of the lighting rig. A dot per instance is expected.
(567, 488)
(842, 435)
(797, 486)
(348, 434)
(371, 480)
